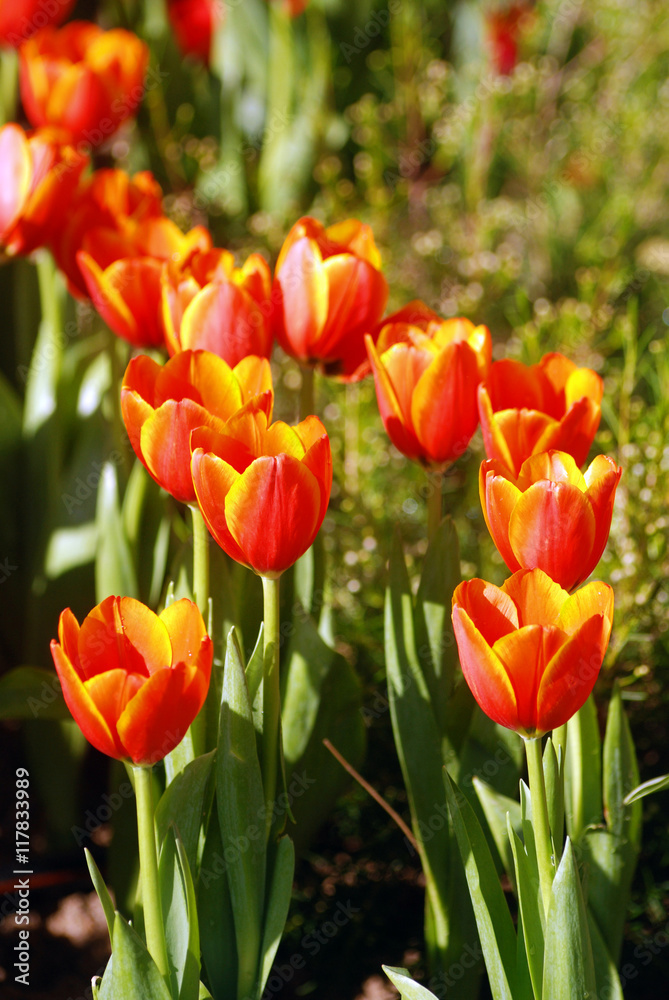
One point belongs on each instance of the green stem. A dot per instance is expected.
(200, 562)
(9, 73)
(119, 435)
(307, 398)
(148, 866)
(275, 190)
(540, 818)
(271, 696)
(434, 502)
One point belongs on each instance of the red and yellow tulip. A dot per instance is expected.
(263, 489)
(530, 652)
(82, 80)
(161, 405)
(20, 19)
(194, 23)
(38, 175)
(551, 517)
(328, 293)
(427, 371)
(209, 304)
(133, 680)
(525, 410)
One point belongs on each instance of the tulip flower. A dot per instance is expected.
(504, 28)
(525, 409)
(427, 370)
(209, 303)
(133, 680)
(105, 217)
(263, 489)
(20, 19)
(530, 652)
(162, 404)
(551, 517)
(82, 80)
(328, 293)
(194, 23)
(128, 292)
(37, 177)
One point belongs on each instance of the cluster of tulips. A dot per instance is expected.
(201, 424)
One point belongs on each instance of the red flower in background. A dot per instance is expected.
(161, 405)
(194, 23)
(427, 370)
(530, 652)
(38, 176)
(20, 19)
(133, 680)
(504, 28)
(328, 293)
(209, 303)
(551, 516)
(263, 489)
(527, 409)
(82, 80)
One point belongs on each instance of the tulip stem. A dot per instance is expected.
(540, 822)
(148, 866)
(434, 502)
(271, 696)
(200, 562)
(118, 427)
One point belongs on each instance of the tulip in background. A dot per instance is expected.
(328, 293)
(427, 371)
(263, 488)
(20, 19)
(38, 175)
(530, 652)
(194, 23)
(527, 409)
(209, 303)
(161, 405)
(551, 517)
(133, 680)
(82, 80)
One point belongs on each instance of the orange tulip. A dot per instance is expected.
(161, 405)
(263, 490)
(128, 292)
(82, 79)
(328, 293)
(37, 178)
(426, 371)
(550, 517)
(525, 409)
(209, 303)
(105, 218)
(194, 23)
(133, 680)
(20, 19)
(530, 652)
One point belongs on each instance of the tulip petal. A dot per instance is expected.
(491, 610)
(356, 299)
(122, 632)
(498, 499)
(165, 445)
(254, 375)
(571, 675)
(223, 319)
(525, 655)
(558, 466)
(552, 527)
(538, 599)
(594, 598)
(493, 439)
(158, 717)
(444, 413)
(15, 174)
(213, 478)
(484, 671)
(394, 388)
(84, 711)
(273, 511)
(187, 632)
(303, 292)
(68, 637)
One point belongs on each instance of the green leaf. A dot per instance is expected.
(496, 808)
(241, 815)
(554, 780)
(647, 788)
(408, 988)
(621, 775)
(254, 668)
(133, 971)
(102, 892)
(182, 937)
(217, 925)
(583, 771)
(69, 548)
(280, 888)
(186, 802)
(435, 641)
(496, 931)
(568, 963)
(531, 909)
(31, 693)
(114, 567)
(606, 974)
